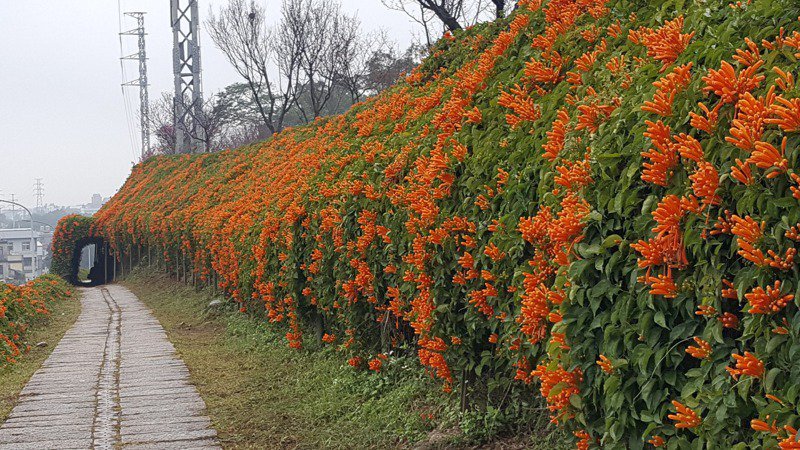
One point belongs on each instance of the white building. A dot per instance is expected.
(21, 255)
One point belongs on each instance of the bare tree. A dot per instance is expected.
(241, 33)
(161, 115)
(453, 14)
(213, 126)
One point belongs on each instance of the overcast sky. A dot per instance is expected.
(62, 111)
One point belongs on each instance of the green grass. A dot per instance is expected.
(261, 394)
(51, 330)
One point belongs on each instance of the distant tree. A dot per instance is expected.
(385, 66)
(210, 126)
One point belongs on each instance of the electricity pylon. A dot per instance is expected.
(141, 82)
(188, 99)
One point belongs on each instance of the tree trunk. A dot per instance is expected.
(443, 14)
(500, 8)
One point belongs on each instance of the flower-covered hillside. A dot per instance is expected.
(594, 198)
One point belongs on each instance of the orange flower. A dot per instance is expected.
(729, 85)
(760, 425)
(667, 88)
(375, 364)
(706, 310)
(474, 115)
(519, 101)
(584, 440)
(791, 442)
(701, 351)
(729, 291)
(705, 182)
(493, 252)
(556, 136)
(741, 173)
(664, 44)
(747, 229)
(689, 148)
(746, 365)
(767, 301)
(786, 114)
(355, 361)
(605, 364)
(557, 386)
(663, 157)
(707, 123)
(766, 156)
(656, 441)
(663, 285)
(748, 126)
(685, 417)
(785, 81)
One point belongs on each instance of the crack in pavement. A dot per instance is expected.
(105, 430)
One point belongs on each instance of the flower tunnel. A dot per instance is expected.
(74, 234)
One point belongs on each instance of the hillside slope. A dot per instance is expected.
(571, 198)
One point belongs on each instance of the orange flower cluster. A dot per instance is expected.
(558, 385)
(727, 84)
(666, 90)
(760, 425)
(605, 364)
(685, 417)
(663, 44)
(21, 307)
(767, 301)
(746, 365)
(701, 351)
(525, 109)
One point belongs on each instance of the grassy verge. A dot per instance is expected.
(259, 393)
(51, 329)
(262, 394)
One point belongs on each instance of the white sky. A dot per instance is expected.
(62, 114)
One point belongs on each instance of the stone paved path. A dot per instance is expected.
(114, 381)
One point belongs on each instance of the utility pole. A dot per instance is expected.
(141, 82)
(38, 191)
(188, 99)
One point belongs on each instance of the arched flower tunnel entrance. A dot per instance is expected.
(97, 269)
(73, 234)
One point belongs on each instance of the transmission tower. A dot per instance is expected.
(188, 99)
(38, 191)
(141, 82)
(13, 211)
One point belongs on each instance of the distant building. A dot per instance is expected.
(89, 209)
(20, 259)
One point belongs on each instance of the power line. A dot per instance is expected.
(125, 100)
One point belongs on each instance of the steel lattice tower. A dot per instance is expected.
(141, 82)
(188, 100)
(38, 191)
